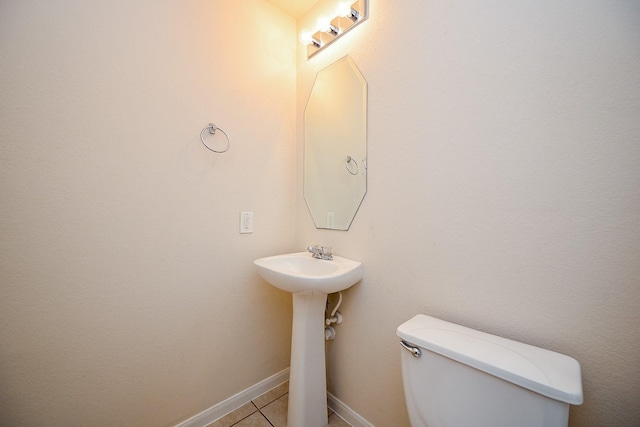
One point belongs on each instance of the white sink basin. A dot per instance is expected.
(300, 272)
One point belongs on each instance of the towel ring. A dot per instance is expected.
(212, 130)
(349, 160)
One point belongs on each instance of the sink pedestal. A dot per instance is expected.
(310, 280)
(307, 377)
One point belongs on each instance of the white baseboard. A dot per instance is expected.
(346, 413)
(234, 402)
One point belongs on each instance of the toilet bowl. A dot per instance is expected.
(454, 376)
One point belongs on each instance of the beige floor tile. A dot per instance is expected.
(273, 412)
(254, 420)
(235, 416)
(336, 421)
(276, 411)
(271, 395)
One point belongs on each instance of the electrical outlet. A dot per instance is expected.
(246, 222)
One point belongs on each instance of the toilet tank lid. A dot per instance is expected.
(543, 371)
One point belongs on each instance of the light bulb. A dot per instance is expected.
(324, 24)
(306, 37)
(344, 9)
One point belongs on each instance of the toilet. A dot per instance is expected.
(454, 376)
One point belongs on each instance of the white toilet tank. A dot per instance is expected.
(467, 378)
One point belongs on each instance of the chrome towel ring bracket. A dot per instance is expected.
(350, 169)
(212, 130)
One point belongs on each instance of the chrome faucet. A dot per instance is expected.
(321, 252)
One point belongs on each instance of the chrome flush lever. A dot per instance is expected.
(415, 351)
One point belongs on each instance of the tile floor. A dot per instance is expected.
(268, 410)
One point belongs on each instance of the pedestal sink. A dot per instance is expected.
(310, 280)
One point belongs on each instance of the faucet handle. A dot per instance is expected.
(326, 252)
(321, 252)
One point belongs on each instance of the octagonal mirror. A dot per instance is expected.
(335, 145)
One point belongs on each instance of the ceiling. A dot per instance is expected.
(295, 8)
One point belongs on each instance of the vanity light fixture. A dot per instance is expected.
(348, 15)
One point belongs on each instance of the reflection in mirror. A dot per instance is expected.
(335, 145)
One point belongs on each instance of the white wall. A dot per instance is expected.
(127, 295)
(504, 172)
(504, 162)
